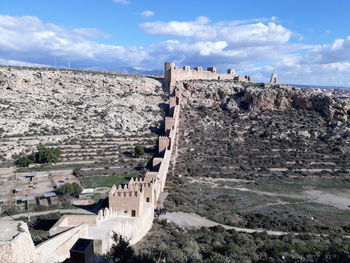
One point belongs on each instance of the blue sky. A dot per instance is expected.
(307, 41)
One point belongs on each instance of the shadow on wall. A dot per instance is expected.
(158, 130)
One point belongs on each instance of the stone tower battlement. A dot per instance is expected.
(128, 198)
(172, 74)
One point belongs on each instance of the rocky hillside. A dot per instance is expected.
(74, 103)
(261, 127)
(258, 157)
(261, 156)
(256, 98)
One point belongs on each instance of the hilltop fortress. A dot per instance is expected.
(131, 206)
(172, 74)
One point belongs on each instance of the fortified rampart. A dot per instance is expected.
(131, 206)
(172, 74)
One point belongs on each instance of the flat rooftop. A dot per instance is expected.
(87, 191)
(9, 229)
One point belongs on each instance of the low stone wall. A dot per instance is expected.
(132, 229)
(68, 221)
(56, 249)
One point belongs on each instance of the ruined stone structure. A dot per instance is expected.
(172, 74)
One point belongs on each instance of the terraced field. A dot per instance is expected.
(96, 119)
(99, 161)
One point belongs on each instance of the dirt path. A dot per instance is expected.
(190, 220)
(316, 196)
(340, 200)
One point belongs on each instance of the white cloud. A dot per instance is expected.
(175, 28)
(250, 46)
(234, 32)
(147, 13)
(338, 51)
(29, 39)
(121, 1)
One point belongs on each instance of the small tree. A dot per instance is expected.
(43, 155)
(70, 189)
(122, 252)
(139, 151)
(23, 160)
(46, 155)
(77, 172)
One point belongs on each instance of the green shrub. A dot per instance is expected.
(23, 160)
(46, 155)
(139, 151)
(43, 155)
(71, 189)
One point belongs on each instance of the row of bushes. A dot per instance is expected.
(43, 155)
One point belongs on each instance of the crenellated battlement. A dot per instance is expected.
(141, 194)
(172, 74)
(139, 191)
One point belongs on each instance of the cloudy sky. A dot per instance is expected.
(308, 41)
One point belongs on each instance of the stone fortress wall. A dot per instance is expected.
(131, 206)
(172, 74)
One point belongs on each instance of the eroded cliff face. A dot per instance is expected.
(256, 98)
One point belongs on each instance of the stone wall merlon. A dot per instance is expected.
(141, 182)
(156, 162)
(169, 123)
(126, 193)
(163, 143)
(172, 102)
